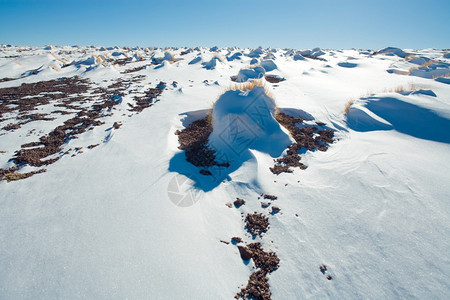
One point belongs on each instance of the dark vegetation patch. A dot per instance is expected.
(257, 287)
(136, 69)
(309, 137)
(143, 102)
(256, 224)
(258, 284)
(66, 93)
(270, 197)
(194, 140)
(11, 175)
(5, 79)
(11, 126)
(34, 153)
(266, 261)
(28, 96)
(314, 57)
(205, 172)
(274, 79)
(92, 146)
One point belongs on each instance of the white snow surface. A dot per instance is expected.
(102, 225)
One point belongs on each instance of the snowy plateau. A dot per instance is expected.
(222, 173)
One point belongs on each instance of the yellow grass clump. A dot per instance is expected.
(250, 85)
(219, 57)
(348, 105)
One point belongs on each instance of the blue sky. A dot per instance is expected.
(245, 23)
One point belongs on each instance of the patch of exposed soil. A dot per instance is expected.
(256, 224)
(194, 140)
(309, 137)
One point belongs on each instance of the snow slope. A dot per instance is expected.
(103, 223)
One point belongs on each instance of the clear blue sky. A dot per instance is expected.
(246, 23)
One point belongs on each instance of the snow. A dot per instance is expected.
(244, 120)
(102, 224)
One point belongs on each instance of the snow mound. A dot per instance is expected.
(244, 120)
(298, 57)
(236, 55)
(418, 92)
(255, 53)
(211, 65)
(254, 61)
(269, 56)
(438, 69)
(195, 60)
(268, 65)
(392, 51)
(88, 61)
(252, 73)
(419, 60)
(387, 113)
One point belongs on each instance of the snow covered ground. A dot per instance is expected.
(119, 212)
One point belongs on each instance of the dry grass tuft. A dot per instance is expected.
(348, 105)
(410, 57)
(409, 88)
(218, 57)
(425, 64)
(250, 85)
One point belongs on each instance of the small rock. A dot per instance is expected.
(270, 197)
(275, 210)
(245, 253)
(265, 204)
(239, 202)
(236, 240)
